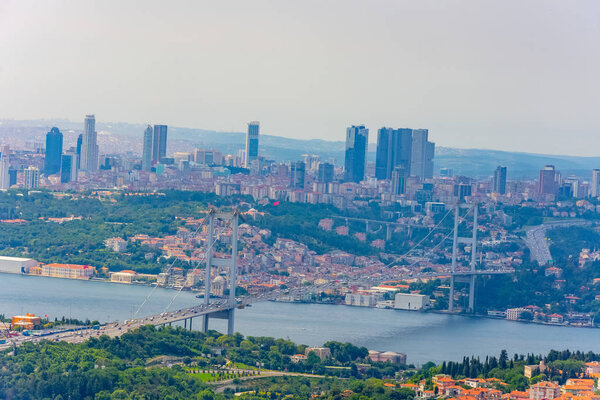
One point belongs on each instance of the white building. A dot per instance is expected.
(16, 265)
(361, 300)
(414, 302)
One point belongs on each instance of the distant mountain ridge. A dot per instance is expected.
(468, 162)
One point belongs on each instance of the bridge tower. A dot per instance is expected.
(468, 277)
(232, 218)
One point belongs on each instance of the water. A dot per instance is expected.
(422, 336)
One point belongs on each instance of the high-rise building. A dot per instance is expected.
(147, 149)
(208, 157)
(5, 168)
(357, 140)
(12, 176)
(399, 176)
(79, 141)
(393, 149)
(422, 153)
(297, 175)
(251, 143)
(325, 173)
(159, 143)
(500, 180)
(54, 146)
(68, 168)
(89, 145)
(595, 187)
(31, 177)
(548, 182)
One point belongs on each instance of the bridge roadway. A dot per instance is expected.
(118, 328)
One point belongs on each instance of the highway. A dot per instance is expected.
(537, 243)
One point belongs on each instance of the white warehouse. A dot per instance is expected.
(414, 302)
(16, 265)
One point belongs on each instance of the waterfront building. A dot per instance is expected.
(68, 168)
(89, 145)
(16, 265)
(548, 180)
(159, 143)
(500, 180)
(147, 149)
(27, 321)
(251, 153)
(69, 271)
(125, 276)
(394, 148)
(297, 175)
(54, 147)
(408, 301)
(31, 178)
(357, 141)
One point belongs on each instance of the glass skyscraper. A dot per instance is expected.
(147, 149)
(251, 143)
(159, 143)
(394, 148)
(357, 140)
(54, 146)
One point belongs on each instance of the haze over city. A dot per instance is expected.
(507, 75)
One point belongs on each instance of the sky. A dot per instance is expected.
(498, 74)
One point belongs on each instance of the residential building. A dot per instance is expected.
(357, 141)
(54, 147)
(147, 149)
(500, 180)
(251, 143)
(385, 356)
(116, 244)
(544, 390)
(321, 352)
(515, 313)
(31, 177)
(89, 145)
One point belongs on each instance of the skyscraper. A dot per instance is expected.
(251, 143)
(79, 141)
(54, 146)
(547, 183)
(595, 189)
(297, 175)
(500, 180)
(68, 168)
(159, 143)
(394, 147)
(325, 172)
(147, 149)
(422, 154)
(31, 177)
(89, 145)
(357, 140)
(399, 176)
(4, 168)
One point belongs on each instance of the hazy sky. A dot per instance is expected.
(506, 74)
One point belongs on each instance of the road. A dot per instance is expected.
(537, 243)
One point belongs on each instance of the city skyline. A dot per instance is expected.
(470, 102)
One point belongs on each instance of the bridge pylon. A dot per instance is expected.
(468, 277)
(232, 218)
